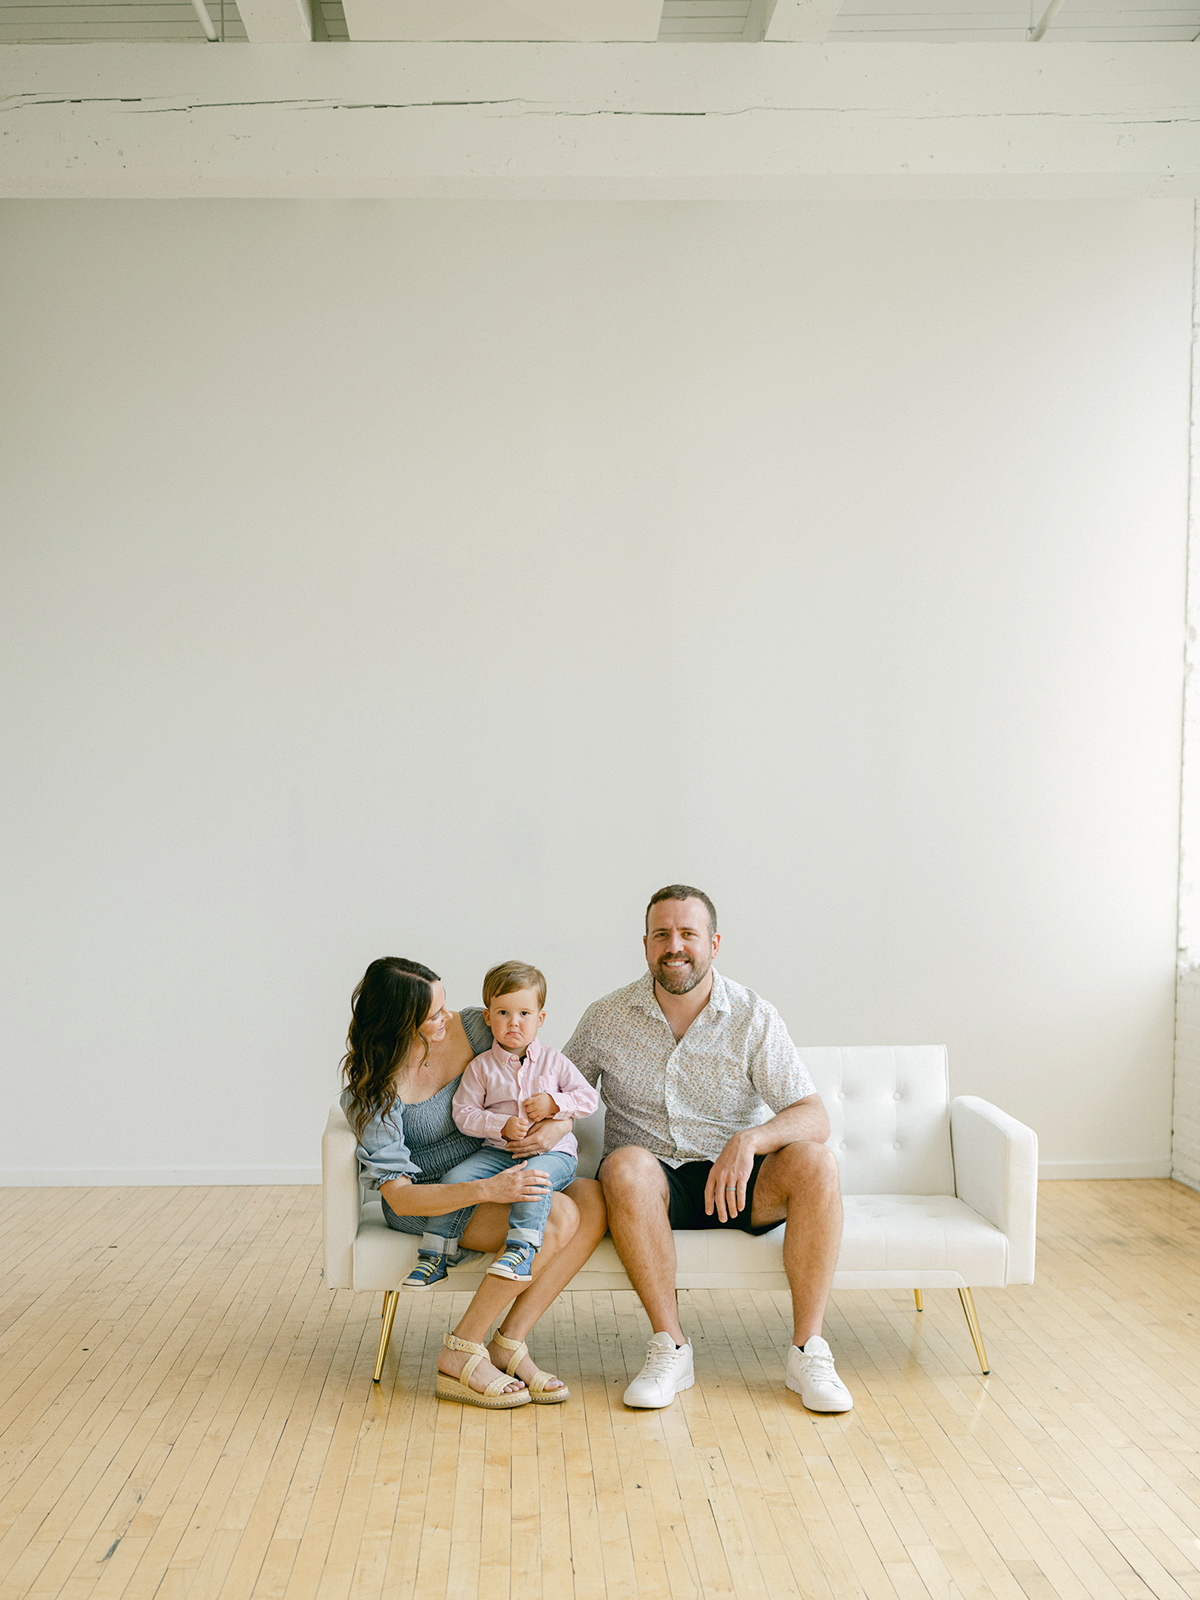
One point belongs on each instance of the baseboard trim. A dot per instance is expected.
(1147, 1167)
(151, 1177)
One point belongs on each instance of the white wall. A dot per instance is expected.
(1185, 1117)
(440, 578)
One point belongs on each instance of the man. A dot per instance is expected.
(711, 1121)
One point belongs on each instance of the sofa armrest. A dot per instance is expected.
(995, 1173)
(340, 1199)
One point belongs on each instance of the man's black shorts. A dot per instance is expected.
(686, 1186)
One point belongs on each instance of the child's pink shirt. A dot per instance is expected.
(495, 1084)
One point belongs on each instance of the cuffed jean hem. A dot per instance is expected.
(533, 1236)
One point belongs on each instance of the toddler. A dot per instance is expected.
(502, 1095)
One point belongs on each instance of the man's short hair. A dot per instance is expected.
(510, 976)
(684, 891)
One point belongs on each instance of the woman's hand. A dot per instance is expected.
(518, 1183)
(542, 1136)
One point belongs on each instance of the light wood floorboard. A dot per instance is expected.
(187, 1413)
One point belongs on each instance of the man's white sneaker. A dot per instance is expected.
(811, 1374)
(668, 1370)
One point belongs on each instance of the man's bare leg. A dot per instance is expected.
(800, 1182)
(635, 1191)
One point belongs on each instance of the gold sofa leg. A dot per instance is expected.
(390, 1301)
(968, 1305)
(917, 1298)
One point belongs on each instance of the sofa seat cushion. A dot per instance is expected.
(889, 1241)
(907, 1234)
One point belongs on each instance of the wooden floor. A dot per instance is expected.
(186, 1410)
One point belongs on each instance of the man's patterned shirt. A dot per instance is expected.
(734, 1068)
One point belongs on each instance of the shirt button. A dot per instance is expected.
(896, 1096)
(841, 1095)
(842, 1146)
(895, 1147)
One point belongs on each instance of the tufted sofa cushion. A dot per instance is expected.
(887, 1110)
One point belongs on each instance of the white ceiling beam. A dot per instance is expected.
(277, 21)
(799, 21)
(620, 120)
(563, 21)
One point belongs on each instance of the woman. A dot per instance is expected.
(405, 1055)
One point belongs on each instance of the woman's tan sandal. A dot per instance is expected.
(493, 1397)
(537, 1384)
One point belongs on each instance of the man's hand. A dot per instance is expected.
(725, 1191)
(540, 1107)
(542, 1136)
(514, 1128)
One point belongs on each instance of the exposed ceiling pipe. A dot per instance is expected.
(206, 22)
(1037, 33)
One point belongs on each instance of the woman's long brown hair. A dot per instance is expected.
(387, 1010)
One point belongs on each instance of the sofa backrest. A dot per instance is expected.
(889, 1111)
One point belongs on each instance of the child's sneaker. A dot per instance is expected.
(430, 1269)
(514, 1261)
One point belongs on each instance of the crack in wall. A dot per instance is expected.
(545, 108)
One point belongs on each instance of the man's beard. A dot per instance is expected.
(680, 980)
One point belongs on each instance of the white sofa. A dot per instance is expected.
(937, 1194)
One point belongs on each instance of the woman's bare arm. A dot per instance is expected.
(409, 1199)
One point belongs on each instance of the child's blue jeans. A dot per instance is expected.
(526, 1218)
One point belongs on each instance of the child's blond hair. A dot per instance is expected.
(510, 976)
